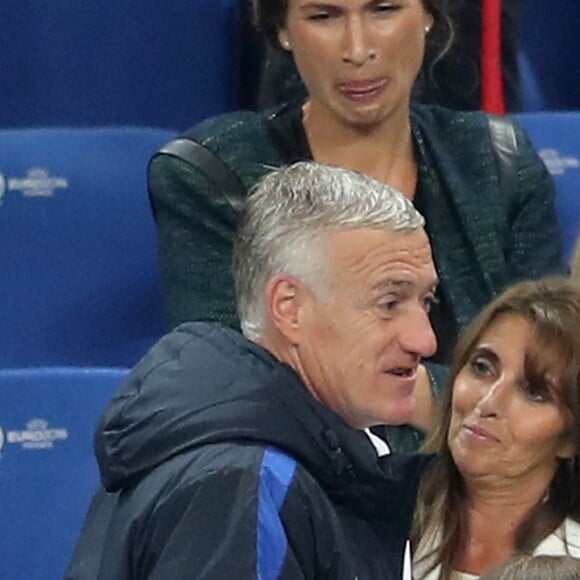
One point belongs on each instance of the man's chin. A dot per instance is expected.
(401, 412)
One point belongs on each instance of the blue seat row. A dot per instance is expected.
(171, 64)
(556, 136)
(80, 283)
(128, 62)
(549, 45)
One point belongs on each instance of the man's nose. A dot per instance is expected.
(417, 335)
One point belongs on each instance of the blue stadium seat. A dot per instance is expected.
(77, 247)
(531, 88)
(47, 467)
(551, 44)
(556, 136)
(127, 62)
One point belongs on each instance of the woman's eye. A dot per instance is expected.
(386, 7)
(481, 367)
(538, 393)
(538, 397)
(319, 16)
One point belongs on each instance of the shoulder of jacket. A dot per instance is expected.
(233, 125)
(447, 121)
(241, 140)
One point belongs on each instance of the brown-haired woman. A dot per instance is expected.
(490, 215)
(507, 476)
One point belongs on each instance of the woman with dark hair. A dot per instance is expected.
(507, 476)
(461, 77)
(486, 196)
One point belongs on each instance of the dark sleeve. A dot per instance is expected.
(535, 247)
(195, 232)
(205, 529)
(227, 524)
(88, 551)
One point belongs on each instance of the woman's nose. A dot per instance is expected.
(358, 47)
(493, 399)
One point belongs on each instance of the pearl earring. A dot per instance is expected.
(427, 29)
(286, 44)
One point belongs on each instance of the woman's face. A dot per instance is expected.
(501, 428)
(358, 58)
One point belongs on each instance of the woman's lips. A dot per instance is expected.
(480, 433)
(362, 90)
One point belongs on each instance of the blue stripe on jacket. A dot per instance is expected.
(276, 474)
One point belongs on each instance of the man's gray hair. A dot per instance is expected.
(288, 214)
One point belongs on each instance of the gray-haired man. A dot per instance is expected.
(235, 456)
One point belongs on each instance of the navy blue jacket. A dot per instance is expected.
(218, 463)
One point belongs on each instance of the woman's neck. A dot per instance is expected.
(494, 514)
(384, 151)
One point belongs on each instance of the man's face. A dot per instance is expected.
(360, 342)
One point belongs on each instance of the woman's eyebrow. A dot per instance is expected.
(318, 6)
(485, 351)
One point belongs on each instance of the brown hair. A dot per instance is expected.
(536, 568)
(269, 16)
(552, 307)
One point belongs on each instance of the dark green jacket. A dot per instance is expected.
(482, 239)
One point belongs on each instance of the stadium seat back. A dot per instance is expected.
(123, 62)
(556, 136)
(48, 471)
(80, 283)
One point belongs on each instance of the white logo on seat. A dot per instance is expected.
(37, 435)
(37, 183)
(558, 165)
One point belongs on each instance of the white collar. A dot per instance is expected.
(380, 445)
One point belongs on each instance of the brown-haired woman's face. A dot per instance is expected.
(502, 428)
(358, 58)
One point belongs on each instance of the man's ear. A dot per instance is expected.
(285, 297)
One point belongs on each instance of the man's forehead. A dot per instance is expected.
(363, 237)
(398, 283)
(394, 283)
(378, 246)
